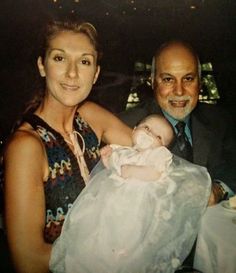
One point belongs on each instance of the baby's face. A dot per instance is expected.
(145, 137)
(151, 133)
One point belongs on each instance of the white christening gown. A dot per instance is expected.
(121, 225)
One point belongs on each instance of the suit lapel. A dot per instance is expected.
(202, 138)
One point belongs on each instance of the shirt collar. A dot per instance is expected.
(174, 121)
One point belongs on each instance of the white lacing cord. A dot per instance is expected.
(79, 154)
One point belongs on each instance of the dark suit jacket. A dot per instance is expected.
(213, 135)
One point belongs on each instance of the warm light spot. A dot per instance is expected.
(107, 13)
(76, 1)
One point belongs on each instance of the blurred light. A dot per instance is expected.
(107, 13)
(76, 1)
(207, 67)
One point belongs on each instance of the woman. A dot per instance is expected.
(49, 157)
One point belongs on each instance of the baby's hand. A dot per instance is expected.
(105, 152)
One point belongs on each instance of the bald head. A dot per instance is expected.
(175, 46)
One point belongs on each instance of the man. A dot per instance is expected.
(208, 129)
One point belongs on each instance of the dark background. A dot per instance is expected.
(130, 31)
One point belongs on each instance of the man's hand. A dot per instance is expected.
(216, 194)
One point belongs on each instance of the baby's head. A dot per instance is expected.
(152, 132)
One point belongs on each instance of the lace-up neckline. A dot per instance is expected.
(79, 153)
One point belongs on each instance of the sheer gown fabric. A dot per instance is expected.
(133, 226)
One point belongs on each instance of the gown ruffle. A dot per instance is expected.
(119, 226)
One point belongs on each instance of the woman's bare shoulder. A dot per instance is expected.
(96, 116)
(24, 139)
(25, 149)
(90, 108)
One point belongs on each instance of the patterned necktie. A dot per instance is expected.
(183, 143)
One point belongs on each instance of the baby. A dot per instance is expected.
(149, 158)
(140, 213)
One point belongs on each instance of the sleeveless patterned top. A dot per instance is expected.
(65, 182)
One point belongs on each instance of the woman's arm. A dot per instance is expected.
(25, 171)
(107, 126)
